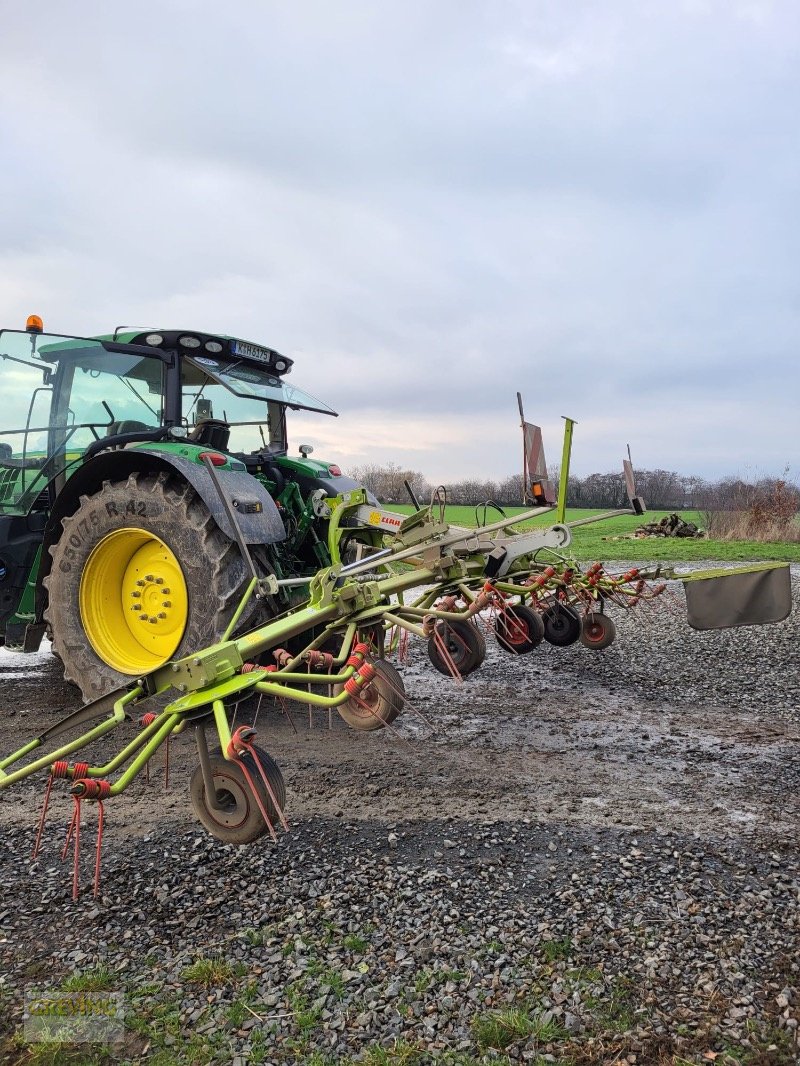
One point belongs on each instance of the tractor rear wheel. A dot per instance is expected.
(141, 574)
(235, 817)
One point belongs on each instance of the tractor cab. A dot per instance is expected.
(233, 394)
(119, 429)
(66, 396)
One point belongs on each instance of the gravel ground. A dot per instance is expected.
(594, 859)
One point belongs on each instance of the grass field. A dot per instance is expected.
(600, 540)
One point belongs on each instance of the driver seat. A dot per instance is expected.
(213, 432)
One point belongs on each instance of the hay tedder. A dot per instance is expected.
(179, 577)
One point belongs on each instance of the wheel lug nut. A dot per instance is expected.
(135, 595)
(159, 580)
(149, 577)
(139, 581)
(136, 607)
(161, 614)
(167, 603)
(153, 621)
(143, 617)
(165, 591)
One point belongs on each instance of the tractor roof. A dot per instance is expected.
(193, 342)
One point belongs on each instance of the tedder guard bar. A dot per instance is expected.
(742, 596)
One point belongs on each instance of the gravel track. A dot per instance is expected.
(594, 859)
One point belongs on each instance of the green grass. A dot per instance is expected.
(598, 540)
(96, 979)
(210, 972)
(555, 950)
(497, 1030)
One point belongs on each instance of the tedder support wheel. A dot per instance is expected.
(562, 625)
(597, 631)
(141, 574)
(465, 646)
(384, 698)
(235, 817)
(519, 629)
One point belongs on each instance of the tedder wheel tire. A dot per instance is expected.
(141, 574)
(519, 629)
(597, 631)
(562, 625)
(383, 696)
(239, 819)
(464, 643)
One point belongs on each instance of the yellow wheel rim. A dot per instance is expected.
(133, 601)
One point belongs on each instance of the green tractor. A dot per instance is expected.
(146, 483)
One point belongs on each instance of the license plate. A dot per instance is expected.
(252, 351)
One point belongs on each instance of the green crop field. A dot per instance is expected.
(608, 541)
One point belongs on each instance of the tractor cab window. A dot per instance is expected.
(60, 394)
(246, 397)
(104, 393)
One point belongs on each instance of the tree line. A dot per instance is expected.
(662, 490)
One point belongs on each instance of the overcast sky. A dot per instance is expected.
(429, 206)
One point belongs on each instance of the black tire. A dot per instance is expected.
(597, 631)
(519, 629)
(240, 821)
(383, 696)
(562, 625)
(212, 568)
(465, 645)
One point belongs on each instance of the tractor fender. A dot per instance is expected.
(256, 513)
(264, 526)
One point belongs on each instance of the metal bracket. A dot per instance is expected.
(265, 586)
(201, 670)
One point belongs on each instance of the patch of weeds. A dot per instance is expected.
(328, 932)
(202, 1049)
(258, 1047)
(146, 991)
(257, 938)
(556, 950)
(237, 1013)
(354, 942)
(424, 980)
(249, 993)
(95, 979)
(306, 1016)
(584, 975)
(770, 1045)
(495, 947)
(209, 972)
(617, 1013)
(167, 1057)
(319, 1058)
(401, 1053)
(334, 979)
(156, 1021)
(497, 1030)
(315, 966)
(452, 975)
(54, 1053)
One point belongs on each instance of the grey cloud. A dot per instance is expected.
(429, 206)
